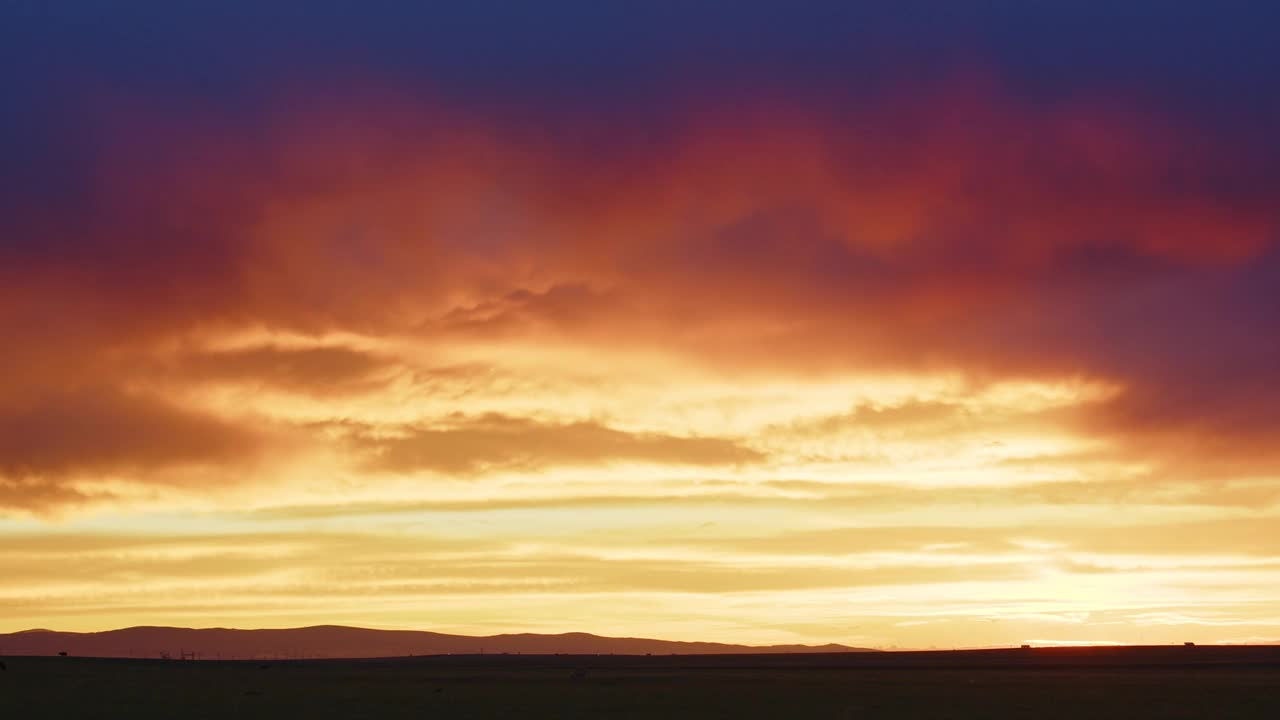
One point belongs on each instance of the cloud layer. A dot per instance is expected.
(724, 312)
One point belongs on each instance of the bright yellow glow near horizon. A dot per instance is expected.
(537, 492)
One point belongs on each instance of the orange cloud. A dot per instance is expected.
(466, 445)
(47, 441)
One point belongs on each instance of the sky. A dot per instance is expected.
(913, 324)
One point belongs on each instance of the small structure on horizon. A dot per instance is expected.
(1026, 647)
(1188, 644)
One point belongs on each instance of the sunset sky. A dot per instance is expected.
(955, 324)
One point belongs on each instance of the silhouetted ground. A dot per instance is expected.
(1062, 684)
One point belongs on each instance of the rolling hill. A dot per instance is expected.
(331, 641)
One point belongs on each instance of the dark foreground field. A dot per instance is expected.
(1036, 684)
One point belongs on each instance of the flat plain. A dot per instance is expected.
(1161, 683)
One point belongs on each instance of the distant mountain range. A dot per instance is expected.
(332, 641)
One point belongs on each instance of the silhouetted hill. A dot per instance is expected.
(331, 641)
